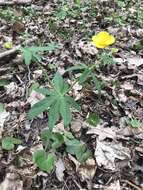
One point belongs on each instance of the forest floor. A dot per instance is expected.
(110, 122)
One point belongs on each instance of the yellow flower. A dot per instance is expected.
(102, 39)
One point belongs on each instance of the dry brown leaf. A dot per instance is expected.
(114, 186)
(134, 62)
(11, 182)
(107, 152)
(60, 168)
(102, 132)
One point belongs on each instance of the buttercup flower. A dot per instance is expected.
(102, 39)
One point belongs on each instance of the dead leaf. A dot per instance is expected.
(107, 152)
(87, 48)
(3, 116)
(11, 182)
(134, 62)
(87, 170)
(13, 90)
(18, 27)
(102, 132)
(60, 168)
(37, 74)
(114, 186)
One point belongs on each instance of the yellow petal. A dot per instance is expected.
(110, 40)
(102, 39)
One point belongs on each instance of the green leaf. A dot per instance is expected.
(1, 107)
(75, 147)
(9, 142)
(93, 119)
(27, 54)
(58, 140)
(46, 135)
(50, 47)
(65, 112)
(77, 67)
(40, 107)
(84, 76)
(44, 162)
(135, 123)
(98, 84)
(73, 103)
(30, 53)
(4, 82)
(107, 59)
(53, 114)
(44, 91)
(33, 87)
(58, 82)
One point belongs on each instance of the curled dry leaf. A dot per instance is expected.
(60, 168)
(102, 132)
(107, 152)
(129, 131)
(134, 62)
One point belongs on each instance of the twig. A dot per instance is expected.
(13, 2)
(15, 49)
(131, 184)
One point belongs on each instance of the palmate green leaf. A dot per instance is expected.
(44, 162)
(9, 142)
(40, 107)
(65, 111)
(44, 91)
(54, 114)
(30, 53)
(58, 82)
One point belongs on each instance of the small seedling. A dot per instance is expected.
(93, 119)
(135, 123)
(33, 53)
(46, 157)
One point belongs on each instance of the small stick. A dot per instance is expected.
(15, 49)
(20, 2)
(131, 184)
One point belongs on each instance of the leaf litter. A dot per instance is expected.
(116, 145)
